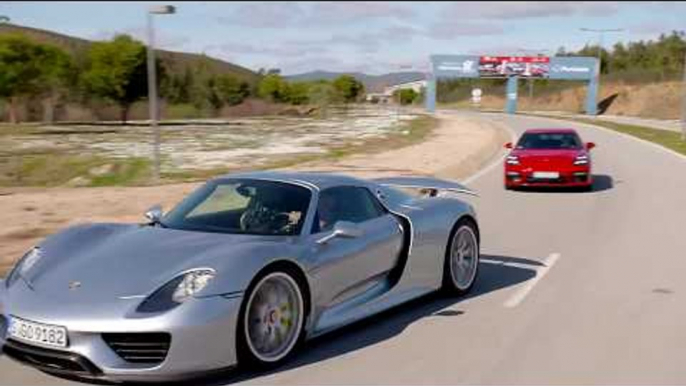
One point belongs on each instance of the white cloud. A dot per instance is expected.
(297, 15)
(453, 30)
(529, 9)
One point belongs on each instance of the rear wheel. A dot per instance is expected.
(271, 320)
(461, 259)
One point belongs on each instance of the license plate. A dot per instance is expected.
(547, 175)
(37, 333)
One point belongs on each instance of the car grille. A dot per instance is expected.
(533, 180)
(50, 360)
(148, 348)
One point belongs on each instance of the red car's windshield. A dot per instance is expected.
(549, 141)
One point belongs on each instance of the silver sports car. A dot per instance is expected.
(242, 271)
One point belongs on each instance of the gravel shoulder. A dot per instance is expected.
(458, 147)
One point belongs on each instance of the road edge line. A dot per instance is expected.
(498, 161)
(522, 292)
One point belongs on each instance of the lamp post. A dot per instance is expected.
(601, 35)
(683, 105)
(152, 83)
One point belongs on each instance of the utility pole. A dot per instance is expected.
(601, 35)
(683, 104)
(152, 84)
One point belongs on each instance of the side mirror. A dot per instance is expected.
(590, 145)
(154, 214)
(344, 229)
(508, 145)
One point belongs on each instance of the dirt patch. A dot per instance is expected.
(459, 146)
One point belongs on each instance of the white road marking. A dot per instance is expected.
(519, 296)
(500, 262)
(495, 163)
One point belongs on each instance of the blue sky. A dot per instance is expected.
(373, 37)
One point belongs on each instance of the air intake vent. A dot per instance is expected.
(148, 348)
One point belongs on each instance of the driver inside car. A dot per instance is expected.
(326, 212)
(265, 213)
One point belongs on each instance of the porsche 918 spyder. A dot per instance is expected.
(241, 271)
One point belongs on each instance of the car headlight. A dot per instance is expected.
(177, 290)
(581, 160)
(25, 264)
(512, 160)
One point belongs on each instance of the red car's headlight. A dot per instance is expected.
(581, 160)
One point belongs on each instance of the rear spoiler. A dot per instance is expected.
(433, 185)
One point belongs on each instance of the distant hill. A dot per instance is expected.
(373, 83)
(176, 62)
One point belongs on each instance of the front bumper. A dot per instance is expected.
(202, 340)
(578, 176)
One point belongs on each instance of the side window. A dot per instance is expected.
(345, 203)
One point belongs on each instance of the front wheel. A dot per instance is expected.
(461, 259)
(271, 320)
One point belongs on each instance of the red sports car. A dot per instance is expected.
(549, 158)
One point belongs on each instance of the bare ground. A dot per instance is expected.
(458, 147)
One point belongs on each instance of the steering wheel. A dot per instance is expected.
(264, 218)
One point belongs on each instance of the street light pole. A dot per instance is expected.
(601, 36)
(683, 105)
(601, 33)
(152, 84)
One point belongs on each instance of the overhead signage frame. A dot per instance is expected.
(513, 68)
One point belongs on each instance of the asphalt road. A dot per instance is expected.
(575, 288)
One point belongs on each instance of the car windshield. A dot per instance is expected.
(242, 206)
(549, 141)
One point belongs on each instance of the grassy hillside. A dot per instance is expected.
(660, 100)
(176, 62)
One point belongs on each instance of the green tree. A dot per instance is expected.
(274, 88)
(230, 90)
(200, 92)
(298, 93)
(322, 94)
(348, 88)
(59, 77)
(28, 68)
(176, 88)
(406, 96)
(116, 71)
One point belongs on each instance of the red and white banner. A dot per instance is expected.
(523, 66)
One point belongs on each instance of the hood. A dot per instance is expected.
(115, 261)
